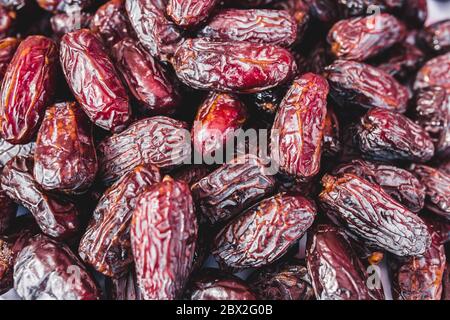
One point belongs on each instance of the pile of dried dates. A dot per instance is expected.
(157, 148)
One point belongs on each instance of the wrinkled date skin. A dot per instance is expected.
(55, 216)
(277, 27)
(63, 23)
(217, 119)
(332, 145)
(212, 284)
(9, 151)
(190, 13)
(434, 73)
(8, 47)
(146, 79)
(386, 135)
(106, 244)
(399, 183)
(191, 174)
(370, 213)
(263, 233)
(238, 67)
(298, 128)
(65, 159)
(299, 10)
(98, 89)
(33, 66)
(436, 37)
(155, 32)
(233, 188)
(7, 211)
(160, 141)
(64, 5)
(432, 112)
(111, 22)
(124, 288)
(163, 236)
(437, 186)
(335, 269)
(364, 37)
(283, 281)
(361, 85)
(44, 269)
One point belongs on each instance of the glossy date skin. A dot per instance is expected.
(332, 145)
(212, 284)
(8, 47)
(237, 67)
(124, 288)
(98, 89)
(358, 84)
(160, 141)
(368, 212)
(33, 66)
(190, 13)
(191, 173)
(217, 119)
(399, 183)
(106, 243)
(364, 37)
(436, 37)
(65, 159)
(328, 254)
(7, 22)
(386, 135)
(9, 151)
(232, 188)
(154, 30)
(298, 128)
(252, 240)
(57, 217)
(163, 236)
(8, 211)
(434, 73)
(147, 81)
(276, 27)
(64, 5)
(437, 186)
(45, 268)
(63, 23)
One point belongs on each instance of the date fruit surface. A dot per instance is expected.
(190, 13)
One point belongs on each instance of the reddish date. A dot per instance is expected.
(298, 128)
(434, 73)
(238, 67)
(277, 27)
(232, 188)
(436, 37)
(56, 216)
(8, 47)
(163, 236)
(192, 173)
(8, 211)
(146, 79)
(364, 37)
(399, 183)
(190, 13)
(63, 23)
(361, 85)
(368, 212)
(45, 269)
(7, 21)
(33, 66)
(332, 145)
(64, 5)
(159, 141)
(124, 288)
(65, 159)
(386, 135)
(9, 151)
(98, 89)
(262, 234)
(106, 244)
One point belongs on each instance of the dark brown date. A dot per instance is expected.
(399, 183)
(364, 37)
(282, 281)
(434, 73)
(277, 27)
(212, 284)
(106, 244)
(437, 188)
(98, 89)
(217, 120)
(9, 151)
(335, 269)
(7, 21)
(146, 79)
(190, 13)
(385, 135)
(326, 11)
(63, 23)
(368, 212)
(8, 47)
(414, 13)
(64, 5)
(436, 37)
(155, 32)
(65, 159)
(444, 166)
(191, 174)
(33, 66)
(233, 188)
(332, 145)
(48, 270)
(56, 216)
(262, 234)
(124, 288)
(239, 67)
(163, 236)
(298, 128)
(160, 141)
(358, 84)
(8, 211)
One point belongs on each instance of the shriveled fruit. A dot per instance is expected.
(190, 13)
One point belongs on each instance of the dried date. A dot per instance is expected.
(190, 13)
(7, 22)
(63, 23)
(331, 146)
(8, 211)
(9, 151)
(436, 37)
(8, 47)
(124, 288)
(434, 73)
(64, 5)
